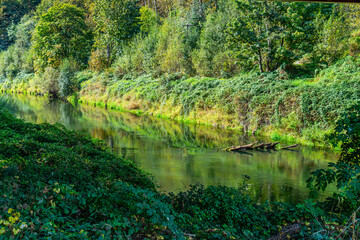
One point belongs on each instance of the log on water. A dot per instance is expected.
(244, 147)
(272, 145)
(291, 146)
(261, 145)
(264, 145)
(253, 146)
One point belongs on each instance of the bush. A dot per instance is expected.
(67, 70)
(169, 53)
(226, 210)
(346, 171)
(98, 60)
(49, 81)
(354, 44)
(333, 39)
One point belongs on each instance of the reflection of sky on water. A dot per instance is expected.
(178, 154)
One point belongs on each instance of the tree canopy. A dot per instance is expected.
(116, 23)
(61, 33)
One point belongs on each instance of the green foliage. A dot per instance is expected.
(354, 44)
(274, 33)
(59, 183)
(48, 81)
(116, 23)
(307, 108)
(169, 54)
(139, 57)
(347, 132)
(18, 57)
(63, 185)
(333, 38)
(346, 171)
(213, 57)
(21, 33)
(67, 71)
(75, 187)
(10, 14)
(226, 210)
(148, 19)
(61, 33)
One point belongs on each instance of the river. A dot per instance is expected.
(178, 154)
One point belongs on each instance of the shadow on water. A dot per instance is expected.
(178, 154)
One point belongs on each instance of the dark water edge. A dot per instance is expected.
(177, 154)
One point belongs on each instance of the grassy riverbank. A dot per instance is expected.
(57, 183)
(273, 105)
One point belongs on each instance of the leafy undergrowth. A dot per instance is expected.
(59, 184)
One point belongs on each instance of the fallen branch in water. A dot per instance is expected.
(291, 146)
(272, 145)
(252, 146)
(239, 148)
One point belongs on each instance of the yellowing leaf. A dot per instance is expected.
(12, 220)
(15, 231)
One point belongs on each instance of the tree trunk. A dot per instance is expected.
(155, 7)
(260, 61)
(268, 59)
(108, 54)
(201, 7)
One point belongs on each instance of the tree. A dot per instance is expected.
(117, 21)
(334, 37)
(213, 57)
(10, 13)
(60, 34)
(275, 32)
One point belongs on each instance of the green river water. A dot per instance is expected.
(178, 154)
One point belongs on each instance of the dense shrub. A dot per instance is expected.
(48, 81)
(345, 173)
(67, 70)
(227, 210)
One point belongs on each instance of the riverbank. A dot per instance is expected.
(271, 105)
(274, 105)
(59, 183)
